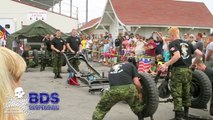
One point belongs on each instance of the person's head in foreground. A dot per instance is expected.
(12, 68)
(174, 33)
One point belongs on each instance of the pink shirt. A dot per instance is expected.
(125, 42)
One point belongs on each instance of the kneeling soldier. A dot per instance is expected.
(124, 86)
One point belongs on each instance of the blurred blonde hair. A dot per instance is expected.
(174, 31)
(12, 68)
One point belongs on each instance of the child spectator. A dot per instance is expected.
(83, 44)
(95, 50)
(130, 48)
(123, 53)
(131, 59)
(106, 52)
(112, 56)
(153, 69)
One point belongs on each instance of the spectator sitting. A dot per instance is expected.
(153, 69)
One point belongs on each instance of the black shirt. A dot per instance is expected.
(209, 73)
(74, 43)
(58, 43)
(186, 50)
(159, 48)
(122, 74)
(48, 45)
(117, 42)
(26, 55)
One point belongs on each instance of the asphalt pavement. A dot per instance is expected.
(76, 103)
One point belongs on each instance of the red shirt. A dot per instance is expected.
(150, 51)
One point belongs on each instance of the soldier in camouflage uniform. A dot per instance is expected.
(58, 47)
(124, 86)
(27, 57)
(181, 52)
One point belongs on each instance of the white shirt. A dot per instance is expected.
(139, 47)
(89, 44)
(209, 47)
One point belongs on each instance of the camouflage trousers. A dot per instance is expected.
(57, 62)
(180, 87)
(127, 93)
(30, 63)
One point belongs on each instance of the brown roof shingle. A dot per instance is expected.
(162, 12)
(90, 24)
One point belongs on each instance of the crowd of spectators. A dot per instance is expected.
(108, 50)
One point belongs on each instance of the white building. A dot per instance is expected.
(145, 16)
(15, 14)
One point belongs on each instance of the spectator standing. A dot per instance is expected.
(186, 36)
(89, 48)
(95, 49)
(199, 43)
(106, 52)
(181, 52)
(150, 47)
(139, 47)
(83, 44)
(123, 53)
(15, 45)
(209, 52)
(192, 39)
(159, 44)
(58, 47)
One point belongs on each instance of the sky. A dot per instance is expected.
(96, 8)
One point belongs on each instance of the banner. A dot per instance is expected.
(37, 15)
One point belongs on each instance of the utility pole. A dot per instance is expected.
(86, 11)
(70, 8)
(59, 7)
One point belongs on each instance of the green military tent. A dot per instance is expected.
(36, 29)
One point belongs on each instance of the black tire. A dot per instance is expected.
(201, 90)
(150, 94)
(36, 57)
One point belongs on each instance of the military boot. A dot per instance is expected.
(140, 116)
(178, 115)
(59, 76)
(56, 75)
(186, 113)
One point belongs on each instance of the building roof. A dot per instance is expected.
(162, 12)
(43, 4)
(90, 24)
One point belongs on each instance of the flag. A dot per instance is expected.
(3, 36)
(144, 65)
